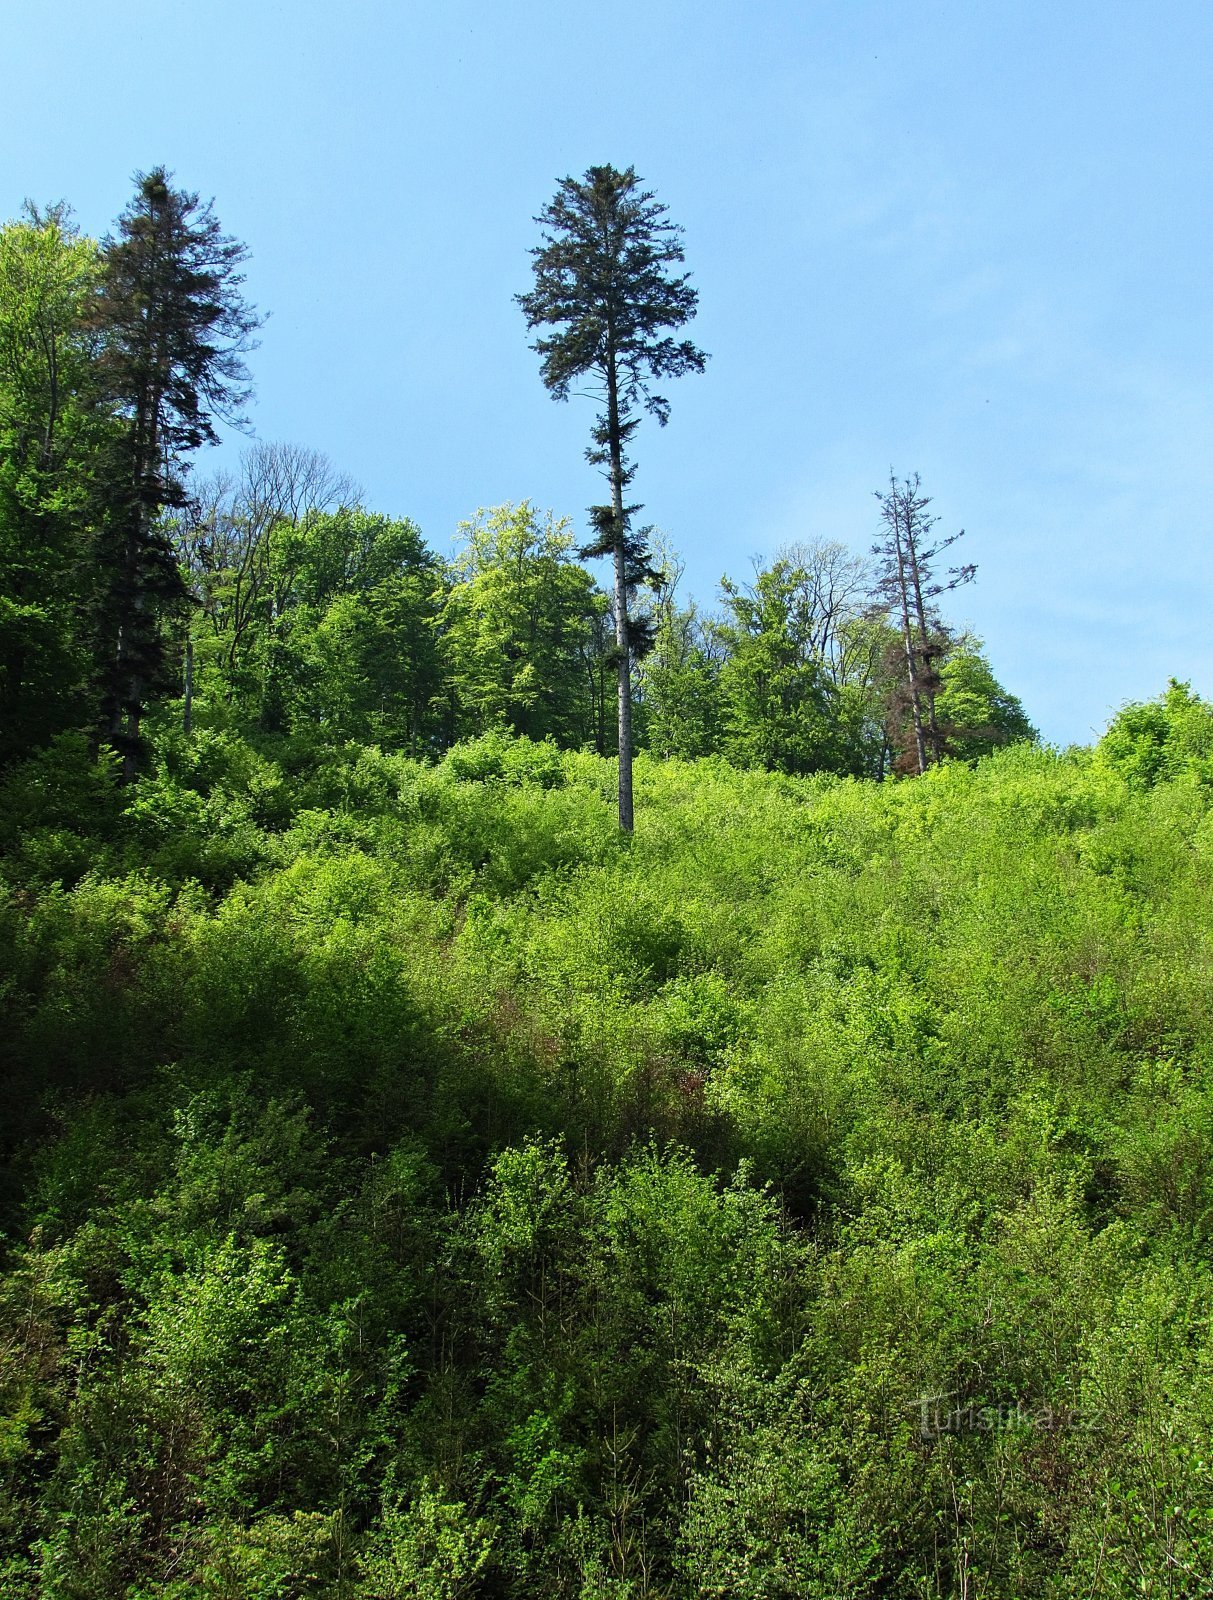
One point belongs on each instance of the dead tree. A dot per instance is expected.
(905, 587)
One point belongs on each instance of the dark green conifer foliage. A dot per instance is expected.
(175, 330)
(603, 285)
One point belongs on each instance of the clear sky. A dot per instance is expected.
(968, 239)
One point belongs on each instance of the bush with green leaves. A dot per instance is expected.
(410, 1187)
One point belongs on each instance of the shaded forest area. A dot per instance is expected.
(414, 1184)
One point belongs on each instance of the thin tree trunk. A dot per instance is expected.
(133, 696)
(622, 641)
(132, 681)
(924, 636)
(907, 634)
(625, 692)
(188, 718)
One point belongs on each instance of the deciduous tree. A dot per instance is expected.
(780, 704)
(53, 439)
(976, 714)
(238, 546)
(680, 676)
(518, 628)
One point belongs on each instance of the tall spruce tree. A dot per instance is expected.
(175, 330)
(602, 284)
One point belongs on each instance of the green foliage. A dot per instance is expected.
(60, 806)
(779, 701)
(430, 1550)
(601, 284)
(411, 1187)
(975, 713)
(1163, 739)
(518, 629)
(680, 706)
(353, 645)
(51, 438)
(497, 757)
(411, 1184)
(174, 331)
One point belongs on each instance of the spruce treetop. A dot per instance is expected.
(176, 324)
(601, 278)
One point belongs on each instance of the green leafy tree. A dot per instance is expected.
(976, 714)
(519, 629)
(1161, 739)
(790, 678)
(679, 679)
(780, 704)
(602, 283)
(227, 539)
(175, 330)
(53, 438)
(680, 690)
(355, 644)
(868, 685)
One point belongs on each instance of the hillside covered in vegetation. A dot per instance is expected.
(420, 1176)
(415, 1186)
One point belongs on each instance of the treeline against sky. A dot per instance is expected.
(271, 600)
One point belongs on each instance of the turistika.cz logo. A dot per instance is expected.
(976, 1417)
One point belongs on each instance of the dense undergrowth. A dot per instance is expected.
(413, 1188)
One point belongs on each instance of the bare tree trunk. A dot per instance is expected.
(188, 717)
(622, 641)
(625, 692)
(133, 709)
(924, 636)
(124, 714)
(128, 712)
(907, 634)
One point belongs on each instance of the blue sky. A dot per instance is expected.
(971, 240)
